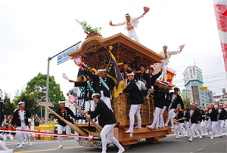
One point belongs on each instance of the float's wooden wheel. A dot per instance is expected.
(126, 147)
(151, 140)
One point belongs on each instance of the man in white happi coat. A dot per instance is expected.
(165, 61)
(131, 24)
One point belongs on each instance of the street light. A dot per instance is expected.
(47, 80)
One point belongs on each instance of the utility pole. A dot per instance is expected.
(47, 79)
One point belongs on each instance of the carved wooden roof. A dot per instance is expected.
(94, 51)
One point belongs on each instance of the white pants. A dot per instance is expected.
(156, 117)
(199, 128)
(221, 126)
(91, 105)
(132, 34)
(179, 128)
(60, 130)
(162, 65)
(86, 106)
(20, 135)
(226, 126)
(108, 131)
(209, 126)
(107, 101)
(203, 126)
(3, 145)
(213, 127)
(161, 120)
(193, 129)
(187, 127)
(171, 115)
(134, 110)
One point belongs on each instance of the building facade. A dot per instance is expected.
(194, 90)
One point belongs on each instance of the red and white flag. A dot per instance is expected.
(73, 99)
(220, 8)
(78, 61)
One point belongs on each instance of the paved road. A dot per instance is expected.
(169, 144)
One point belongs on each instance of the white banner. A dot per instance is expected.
(220, 8)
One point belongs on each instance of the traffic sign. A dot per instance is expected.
(63, 57)
(41, 103)
(203, 88)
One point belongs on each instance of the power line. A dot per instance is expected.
(200, 62)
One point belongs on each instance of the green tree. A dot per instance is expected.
(37, 88)
(8, 106)
(29, 100)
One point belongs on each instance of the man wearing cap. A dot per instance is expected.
(104, 85)
(80, 91)
(65, 113)
(143, 76)
(213, 113)
(89, 86)
(20, 121)
(159, 100)
(186, 115)
(131, 24)
(208, 121)
(152, 77)
(198, 125)
(136, 99)
(134, 70)
(195, 120)
(179, 122)
(106, 120)
(221, 119)
(125, 70)
(174, 100)
(166, 102)
(202, 125)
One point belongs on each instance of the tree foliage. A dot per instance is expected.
(36, 91)
(29, 100)
(8, 106)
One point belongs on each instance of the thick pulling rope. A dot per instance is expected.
(90, 137)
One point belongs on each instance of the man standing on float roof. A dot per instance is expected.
(131, 24)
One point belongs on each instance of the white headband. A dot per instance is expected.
(94, 94)
(131, 74)
(21, 102)
(61, 102)
(101, 70)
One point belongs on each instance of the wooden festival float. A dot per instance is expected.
(95, 54)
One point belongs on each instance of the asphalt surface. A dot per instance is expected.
(169, 144)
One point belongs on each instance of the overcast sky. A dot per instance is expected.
(32, 31)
